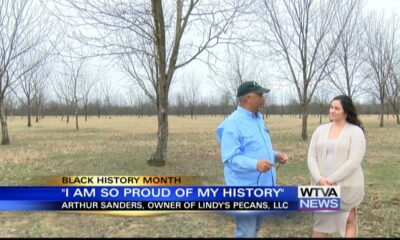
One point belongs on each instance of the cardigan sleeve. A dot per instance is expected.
(356, 155)
(312, 161)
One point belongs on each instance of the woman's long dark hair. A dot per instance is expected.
(349, 110)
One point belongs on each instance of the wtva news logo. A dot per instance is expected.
(319, 198)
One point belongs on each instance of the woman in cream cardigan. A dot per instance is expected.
(334, 158)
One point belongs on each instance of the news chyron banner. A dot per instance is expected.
(141, 195)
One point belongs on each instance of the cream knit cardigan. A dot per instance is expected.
(348, 154)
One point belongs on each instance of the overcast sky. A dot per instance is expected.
(200, 71)
(279, 90)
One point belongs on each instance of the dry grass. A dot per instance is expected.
(20, 157)
(121, 146)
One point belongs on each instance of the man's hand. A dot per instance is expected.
(264, 165)
(282, 157)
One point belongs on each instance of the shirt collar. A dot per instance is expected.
(246, 113)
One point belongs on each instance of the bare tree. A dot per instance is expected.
(345, 72)
(151, 35)
(32, 81)
(40, 89)
(321, 98)
(381, 47)
(88, 83)
(64, 91)
(26, 82)
(393, 93)
(75, 68)
(98, 101)
(20, 32)
(11, 102)
(225, 103)
(305, 35)
(137, 99)
(239, 69)
(180, 102)
(191, 92)
(60, 104)
(106, 91)
(131, 98)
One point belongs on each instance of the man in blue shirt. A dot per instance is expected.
(246, 150)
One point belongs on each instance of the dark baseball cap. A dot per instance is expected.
(250, 86)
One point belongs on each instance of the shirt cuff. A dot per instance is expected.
(254, 163)
(276, 156)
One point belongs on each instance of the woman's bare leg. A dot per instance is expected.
(319, 235)
(351, 225)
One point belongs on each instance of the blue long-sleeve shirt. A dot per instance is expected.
(244, 140)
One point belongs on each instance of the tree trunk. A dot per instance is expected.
(29, 114)
(85, 112)
(398, 118)
(5, 140)
(159, 157)
(41, 110)
(12, 114)
(67, 109)
(37, 106)
(37, 117)
(141, 112)
(320, 113)
(382, 115)
(387, 110)
(304, 118)
(76, 117)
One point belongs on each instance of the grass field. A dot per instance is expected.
(120, 146)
